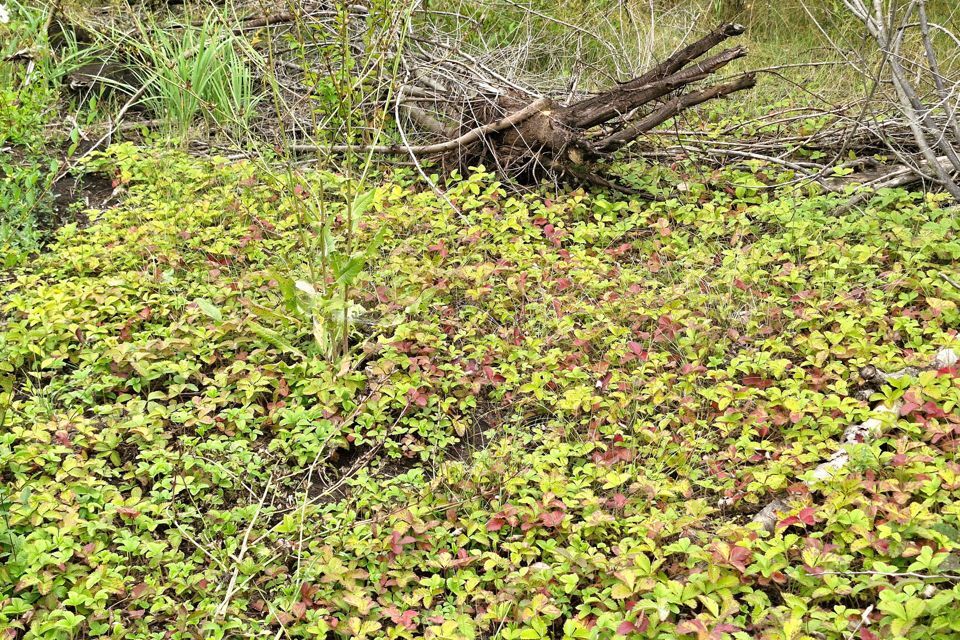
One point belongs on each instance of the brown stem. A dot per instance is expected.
(670, 109)
(671, 65)
(624, 99)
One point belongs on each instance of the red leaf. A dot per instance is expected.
(494, 377)
(418, 397)
(307, 591)
(641, 623)
(551, 518)
(663, 226)
(933, 410)
(666, 328)
(739, 556)
(404, 619)
(689, 368)
(910, 403)
(613, 455)
(626, 628)
(757, 382)
(637, 349)
(618, 501)
(908, 408)
(654, 264)
(798, 488)
(397, 542)
(407, 619)
(462, 559)
(692, 626)
(495, 523)
(299, 610)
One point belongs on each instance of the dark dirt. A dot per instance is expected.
(73, 194)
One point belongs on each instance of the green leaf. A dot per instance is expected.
(271, 315)
(209, 309)
(949, 531)
(361, 203)
(376, 241)
(328, 242)
(307, 288)
(287, 289)
(347, 272)
(273, 338)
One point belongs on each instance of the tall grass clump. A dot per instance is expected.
(196, 73)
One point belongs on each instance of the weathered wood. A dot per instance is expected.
(668, 67)
(670, 109)
(623, 100)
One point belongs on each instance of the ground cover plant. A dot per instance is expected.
(248, 392)
(558, 417)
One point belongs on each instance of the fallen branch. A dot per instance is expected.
(238, 559)
(431, 149)
(950, 281)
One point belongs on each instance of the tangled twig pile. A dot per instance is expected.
(476, 116)
(434, 94)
